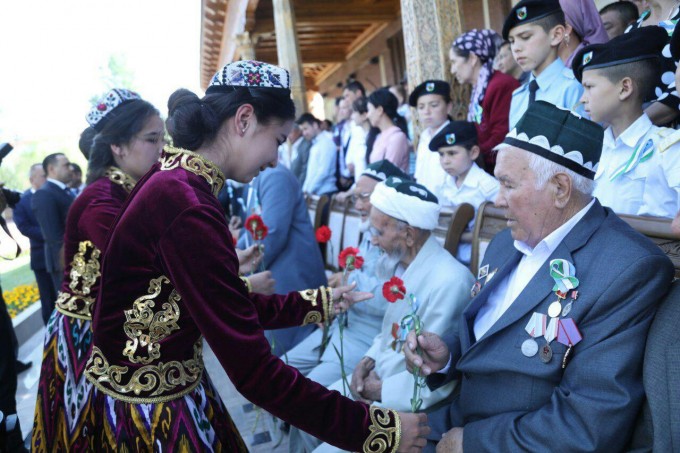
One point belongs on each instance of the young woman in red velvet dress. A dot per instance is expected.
(128, 138)
(170, 279)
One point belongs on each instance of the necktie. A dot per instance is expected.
(533, 87)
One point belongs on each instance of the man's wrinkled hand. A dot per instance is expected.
(361, 372)
(262, 283)
(249, 259)
(435, 353)
(452, 442)
(414, 432)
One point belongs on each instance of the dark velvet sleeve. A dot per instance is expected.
(203, 267)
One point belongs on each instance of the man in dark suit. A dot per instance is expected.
(549, 351)
(28, 226)
(50, 205)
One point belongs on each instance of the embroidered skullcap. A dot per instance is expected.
(101, 112)
(528, 11)
(456, 133)
(249, 74)
(383, 169)
(407, 201)
(430, 87)
(558, 135)
(638, 44)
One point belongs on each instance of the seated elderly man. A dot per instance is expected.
(402, 219)
(549, 351)
(363, 319)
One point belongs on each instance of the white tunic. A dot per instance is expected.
(429, 171)
(652, 187)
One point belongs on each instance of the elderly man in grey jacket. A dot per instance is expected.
(549, 350)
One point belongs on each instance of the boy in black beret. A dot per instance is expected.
(535, 29)
(457, 148)
(639, 171)
(432, 101)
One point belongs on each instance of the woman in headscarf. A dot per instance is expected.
(584, 27)
(472, 56)
(123, 141)
(170, 278)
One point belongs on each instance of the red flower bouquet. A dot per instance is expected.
(323, 234)
(349, 259)
(394, 289)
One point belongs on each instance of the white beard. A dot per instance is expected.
(364, 226)
(387, 263)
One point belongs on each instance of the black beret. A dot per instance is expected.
(528, 11)
(456, 133)
(430, 87)
(638, 44)
(558, 135)
(675, 43)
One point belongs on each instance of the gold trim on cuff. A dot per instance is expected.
(383, 437)
(249, 286)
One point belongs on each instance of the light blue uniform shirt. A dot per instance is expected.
(556, 84)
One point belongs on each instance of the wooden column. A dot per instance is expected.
(288, 50)
(245, 46)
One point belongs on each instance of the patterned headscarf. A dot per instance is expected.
(482, 43)
(584, 18)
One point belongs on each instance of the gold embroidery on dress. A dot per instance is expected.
(383, 436)
(84, 273)
(176, 157)
(156, 379)
(147, 328)
(117, 176)
(312, 317)
(310, 296)
(327, 302)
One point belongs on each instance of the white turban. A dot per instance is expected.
(407, 201)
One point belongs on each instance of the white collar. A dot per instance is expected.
(61, 185)
(442, 126)
(472, 178)
(631, 136)
(551, 241)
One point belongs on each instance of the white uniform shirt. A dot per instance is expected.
(429, 171)
(532, 262)
(356, 152)
(478, 187)
(651, 188)
(321, 165)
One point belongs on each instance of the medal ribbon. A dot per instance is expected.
(564, 274)
(567, 332)
(640, 154)
(551, 330)
(536, 325)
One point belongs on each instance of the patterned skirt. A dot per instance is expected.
(196, 422)
(62, 421)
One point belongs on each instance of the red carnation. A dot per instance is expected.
(350, 259)
(323, 234)
(394, 289)
(256, 227)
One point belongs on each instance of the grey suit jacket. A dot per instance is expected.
(658, 428)
(509, 402)
(291, 251)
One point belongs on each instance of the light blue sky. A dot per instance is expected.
(52, 53)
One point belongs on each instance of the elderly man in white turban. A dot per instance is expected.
(402, 218)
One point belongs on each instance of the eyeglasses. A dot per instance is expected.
(362, 196)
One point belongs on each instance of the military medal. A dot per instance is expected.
(569, 335)
(546, 353)
(490, 276)
(475, 289)
(567, 308)
(535, 328)
(483, 272)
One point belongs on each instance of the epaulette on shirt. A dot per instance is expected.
(666, 137)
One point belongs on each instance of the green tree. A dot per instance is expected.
(116, 74)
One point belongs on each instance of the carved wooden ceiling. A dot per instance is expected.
(328, 31)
